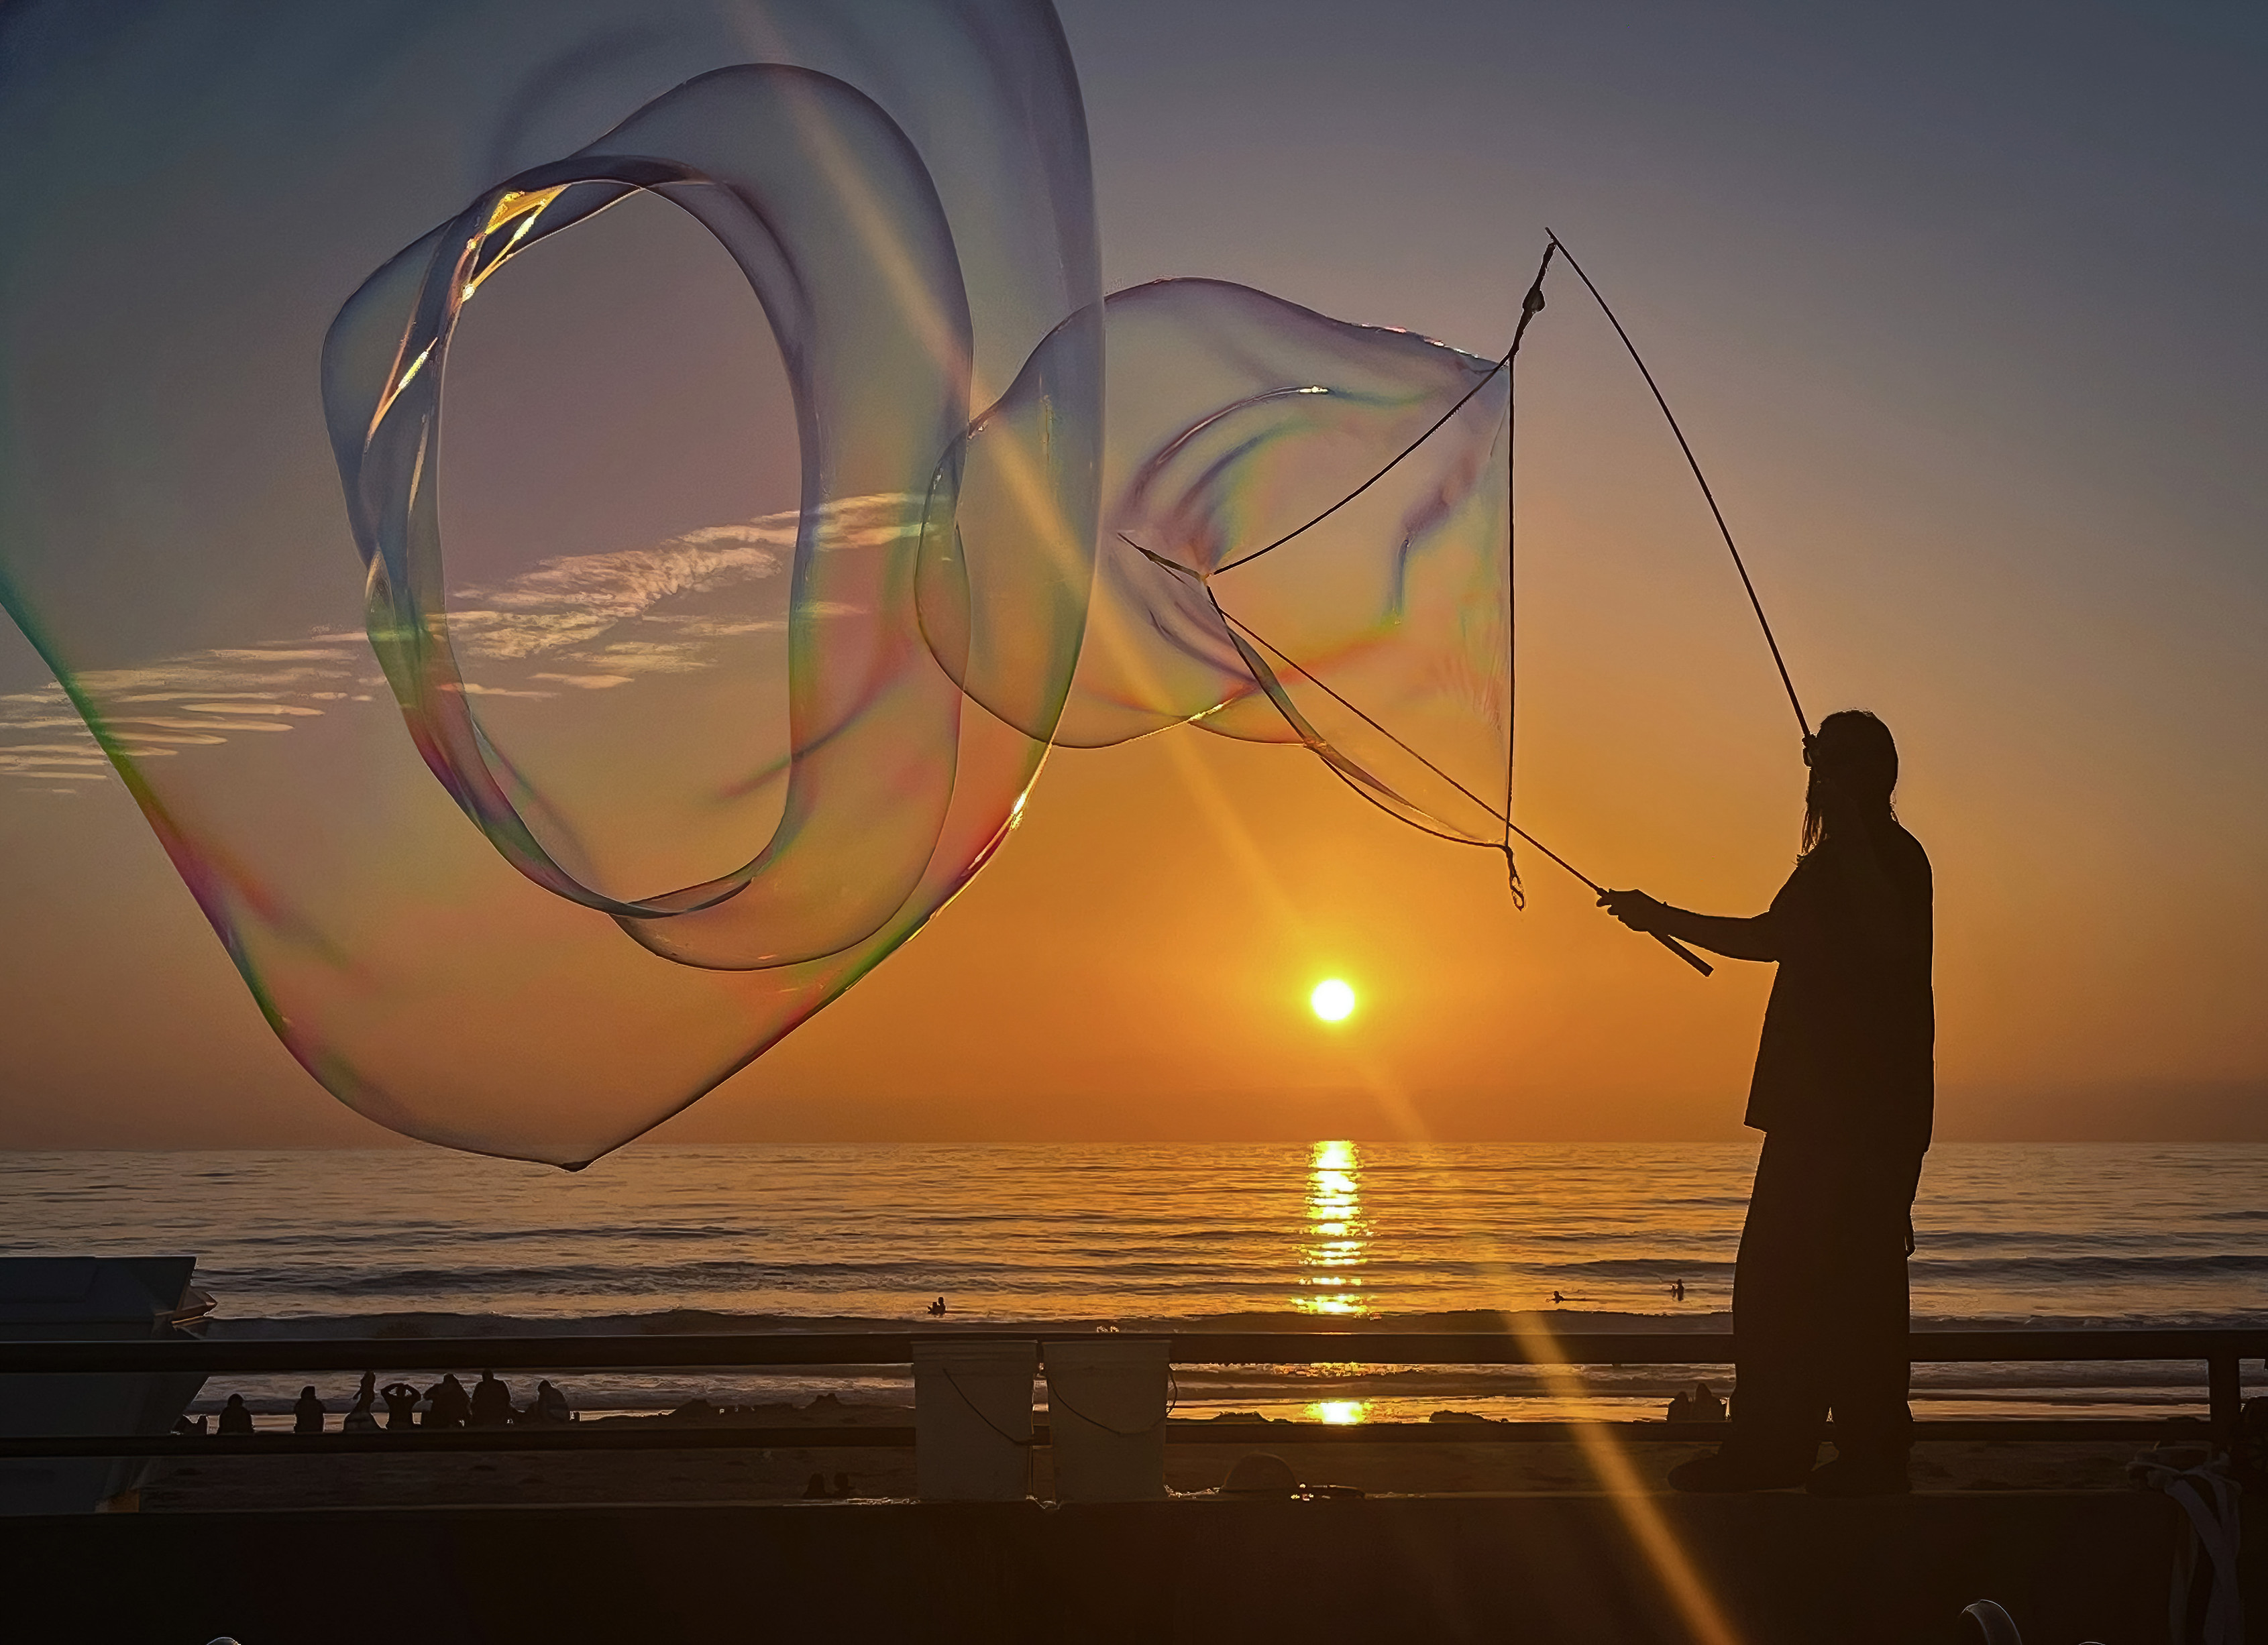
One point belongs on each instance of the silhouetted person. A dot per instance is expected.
(1843, 1092)
(936, 1309)
(491, 1405)
(447, 1405)
(307, 1414)
(1677, 1290)
(401, 1404)
(1556, 1298)
(548, 1406)
(359, 1419)
(234, 1418)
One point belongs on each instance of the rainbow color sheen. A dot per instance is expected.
(658, 804)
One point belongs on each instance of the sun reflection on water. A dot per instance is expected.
(1338, 1237)
(1339, 1412)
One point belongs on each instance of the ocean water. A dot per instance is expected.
(418, 1242)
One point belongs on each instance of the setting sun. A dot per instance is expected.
(1333, 1000)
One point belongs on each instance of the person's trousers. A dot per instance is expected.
(1819, 1302)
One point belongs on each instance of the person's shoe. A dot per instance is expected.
(1725, 1471)
(1850, 1476)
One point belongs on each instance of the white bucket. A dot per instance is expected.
(1107, 1405)
(973, 1421)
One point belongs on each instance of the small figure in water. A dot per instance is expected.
(1677, 1290)
(1842, 1092)
(360, 1419)
(235, 1417)
(1556, 1298)
(307, 1414)
(936, 1309)
(401, 1404)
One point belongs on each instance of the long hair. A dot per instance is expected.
(1856, 752)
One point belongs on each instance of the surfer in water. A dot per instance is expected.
(1843, 1092)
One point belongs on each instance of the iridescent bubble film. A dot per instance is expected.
(243, 245)
(578, 523)
(1377, 636)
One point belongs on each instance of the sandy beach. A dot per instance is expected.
(1450, 1466)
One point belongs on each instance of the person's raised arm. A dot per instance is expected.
(1735, 938)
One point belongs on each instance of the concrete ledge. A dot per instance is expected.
(1382, 1570)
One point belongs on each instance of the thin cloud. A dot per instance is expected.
(589, 682)
(563, 611)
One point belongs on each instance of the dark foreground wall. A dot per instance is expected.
(1506, 1569)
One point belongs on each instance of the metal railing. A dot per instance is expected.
(2218, 1353)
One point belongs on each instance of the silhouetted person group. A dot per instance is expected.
(489, 1405)
(447, 1405)
(1842, 1092)
(1701, 1406)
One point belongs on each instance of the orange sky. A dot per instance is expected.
(1881, 286)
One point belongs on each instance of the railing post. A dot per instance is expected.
(2224, 1396)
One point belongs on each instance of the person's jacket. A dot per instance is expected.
(1848, 1051)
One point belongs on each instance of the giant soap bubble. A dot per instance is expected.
(196, 196)
(523, 848)
(1304, 540)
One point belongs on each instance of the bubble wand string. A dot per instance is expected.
(1700, 478)
(1530, 306)
(1511, 827)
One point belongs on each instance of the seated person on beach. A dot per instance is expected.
(1843, 1092)
(446, 1404)
(235, 1417)
(401, 1404)
(491, 1402)
(307, 1414)
(548, 1406)
(359, 1419)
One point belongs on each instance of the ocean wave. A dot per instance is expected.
(703, 1322)
(2220, 1264)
